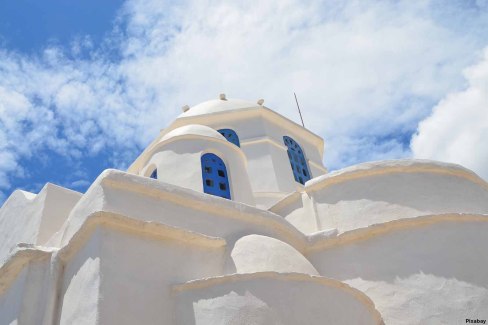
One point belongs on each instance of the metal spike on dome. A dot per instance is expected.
(260, 101)
(185, 108)
(222, 97)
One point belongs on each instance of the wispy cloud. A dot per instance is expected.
(457, 130)
(365, 73)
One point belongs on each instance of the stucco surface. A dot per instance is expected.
(434, 273)
(218, 105)
(271, 298)
(379, 192)
(260, 131)
(19, 221)
(179, 163)
(193, 129)
(418, 262)
(11, 301)
(33, 218)
(137, 270)
(393, 196)
(80, 291)
(146, 199)
(92, 267)
(402, 165)
(58, 204)
(23, 287)
(255, 253)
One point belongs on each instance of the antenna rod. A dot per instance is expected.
(303, 124)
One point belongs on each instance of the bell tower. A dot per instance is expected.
(280, 155)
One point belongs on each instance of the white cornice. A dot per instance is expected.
(129, 225)
(203, 202)
(381, 168)
(25, 254)
(286, 277)
(146, 156)
(222, 117)
(366, 233)
(18, 259)
(267, 139)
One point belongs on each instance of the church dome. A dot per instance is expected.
(257, 253)
(193, 129)
(218, 106)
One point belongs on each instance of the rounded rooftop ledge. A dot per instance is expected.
(396, 165)
(256, 253)
(270, 298)
(218, 106)
(193, 129)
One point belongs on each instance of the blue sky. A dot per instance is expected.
(29, 26)
(86, 85)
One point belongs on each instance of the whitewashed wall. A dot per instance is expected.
(256, 253)
(146, 199)
(80, 296)
(33, 219)
(137, 274)
(378, 192)
(271, 299)
(433, 273)
(179, 163)
(261, 132)
(23, 297)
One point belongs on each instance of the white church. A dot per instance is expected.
(230, 217)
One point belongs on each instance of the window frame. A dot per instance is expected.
(297, 159)
(230, 135)
(212, 166)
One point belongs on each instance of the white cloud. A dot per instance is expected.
(361, 71)
(457, 130)
(365, 74)
(79, 183)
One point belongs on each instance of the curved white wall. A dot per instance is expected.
(272, 299)
(385, 191)
(432, 273)
(256, 253)
(381, 198)
(178, 161)
(142, 198)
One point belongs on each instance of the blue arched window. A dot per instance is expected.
(154, 174)
(231, 136)
(297, 160)
(214, 176)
